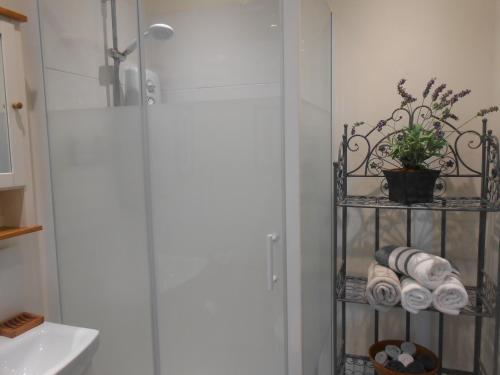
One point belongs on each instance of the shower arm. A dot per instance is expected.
(115, 54)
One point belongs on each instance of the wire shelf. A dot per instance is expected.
(359, 365)
(439, 204)
(371, 159)
(356, 365)
(352, 289)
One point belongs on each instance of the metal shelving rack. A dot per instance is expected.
(373, 148)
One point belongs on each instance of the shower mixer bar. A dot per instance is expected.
(158, 31)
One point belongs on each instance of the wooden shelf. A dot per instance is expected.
(14, 232)
(11, 15)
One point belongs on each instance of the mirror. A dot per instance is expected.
(5, 157)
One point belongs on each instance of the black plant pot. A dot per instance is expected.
(411, 186)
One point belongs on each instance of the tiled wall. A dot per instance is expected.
(76, 35)
(220, 50)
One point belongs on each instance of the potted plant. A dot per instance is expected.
(413, 182)
(423, 139)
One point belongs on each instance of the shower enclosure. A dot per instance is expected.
(190, 155)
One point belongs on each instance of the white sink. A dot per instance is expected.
(49, 349)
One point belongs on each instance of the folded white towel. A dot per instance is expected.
(427, 269)
(383, 289)
(451, 296)
(414, 297)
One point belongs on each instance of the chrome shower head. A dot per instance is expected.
(159, 31)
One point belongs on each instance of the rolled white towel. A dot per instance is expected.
(451, 296)
(405, 359)
(383, 289)
(382, 358)
(414, 297)
(409, 347)
(427, 269)
(392, 351)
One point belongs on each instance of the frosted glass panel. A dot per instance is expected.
(97, 171)
(217, 172)
(316, 166)
(215, 136)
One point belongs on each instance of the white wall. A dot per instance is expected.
(377, 44)
(25, 284)
(497, 50)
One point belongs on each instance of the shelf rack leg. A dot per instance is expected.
(480, 278)
(408, 243)
(377, 246)
(496, 343)
(344, 235)
(333, 255)
(344, 273)
(443, 255)
(483, 216)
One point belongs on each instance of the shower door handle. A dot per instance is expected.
(271, 277)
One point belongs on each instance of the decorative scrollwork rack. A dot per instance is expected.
(372, 157)
(467, 154)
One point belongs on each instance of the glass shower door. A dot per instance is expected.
(204, 271)
(215, 130)
(97, 170)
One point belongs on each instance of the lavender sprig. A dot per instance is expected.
(407, 98)
(481, 113)
(484, 112)
(447, 101)
(441, 111)
(455, 98)
(438, 91)
(447, 114)
(381, 125)
(446, 95)
(355, 125)
(429, 87)
(464, 93)
(439, 133)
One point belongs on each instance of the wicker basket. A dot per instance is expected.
(380, 346)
